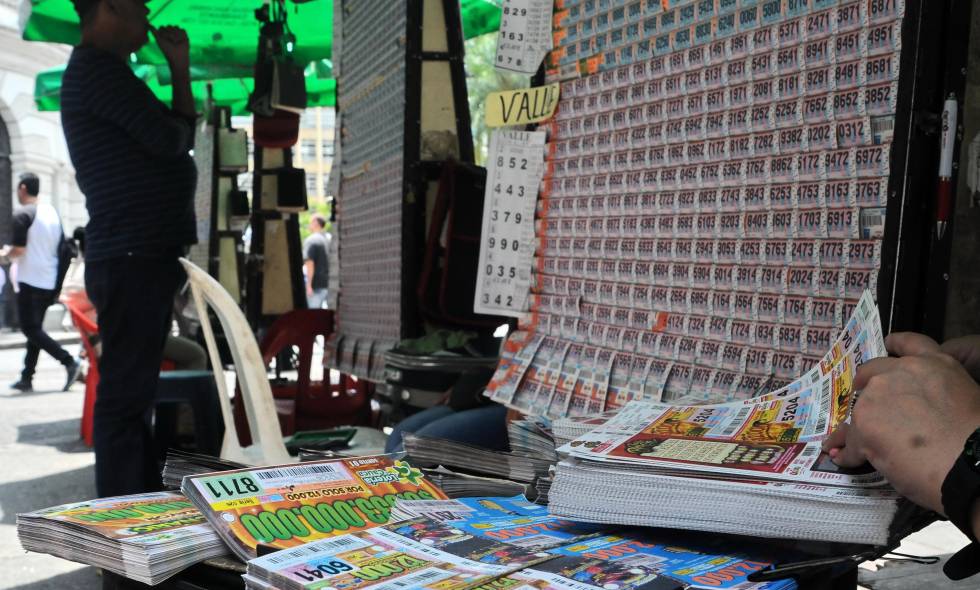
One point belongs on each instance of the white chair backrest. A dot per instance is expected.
(267, 447)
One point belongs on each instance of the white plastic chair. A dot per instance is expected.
(260, 408)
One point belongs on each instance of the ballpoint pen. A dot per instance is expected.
(813, 567)
(944, 191)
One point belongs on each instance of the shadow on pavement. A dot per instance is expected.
(17, 497)
(43, 391)
(60, 434)
(84, 579)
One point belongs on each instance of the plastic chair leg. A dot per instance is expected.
(88, 407)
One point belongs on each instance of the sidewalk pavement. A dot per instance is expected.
(10, 340)
(44, 464)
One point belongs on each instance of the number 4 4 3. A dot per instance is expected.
(509, 190)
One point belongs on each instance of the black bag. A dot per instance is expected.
(67, 251)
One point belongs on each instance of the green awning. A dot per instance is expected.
(224, 37)
(230, 92)
(479, 17)
(225, 31)
(222, 32)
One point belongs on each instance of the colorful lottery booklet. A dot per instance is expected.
(592, 557)
(285, 506)
(145, 537)
(412, 554)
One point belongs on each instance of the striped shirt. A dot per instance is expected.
(130, 153)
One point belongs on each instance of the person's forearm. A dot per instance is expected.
(183, 99)
(308, 275)
(13, 252)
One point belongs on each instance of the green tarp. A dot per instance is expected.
(224, 36)
(229, 92)
(222, 32)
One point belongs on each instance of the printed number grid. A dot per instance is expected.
(714, 201)
(513, 175)
(371, 89)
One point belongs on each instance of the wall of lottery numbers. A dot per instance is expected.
(714, 201)
(371, 94)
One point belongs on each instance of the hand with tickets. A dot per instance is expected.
(914, 413)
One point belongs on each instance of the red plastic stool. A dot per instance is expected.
(305, 404)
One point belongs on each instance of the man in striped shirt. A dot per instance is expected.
(132, 162)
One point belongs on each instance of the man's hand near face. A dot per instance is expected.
(175, 46)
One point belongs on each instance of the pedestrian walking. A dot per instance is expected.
(37, 234)
(315, 262)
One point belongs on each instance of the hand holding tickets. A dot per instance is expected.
(912, 416)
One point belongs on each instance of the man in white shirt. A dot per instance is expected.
(37, 233)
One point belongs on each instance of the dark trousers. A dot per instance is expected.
(31, 305)
(133, 297)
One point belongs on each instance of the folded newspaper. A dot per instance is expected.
(146, 537)
(285, 506)
(751, 467)
(599, 556)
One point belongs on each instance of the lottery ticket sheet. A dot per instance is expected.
(286, 506)
(714, 197)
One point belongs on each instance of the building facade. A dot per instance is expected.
(313, 151)
(31, 141)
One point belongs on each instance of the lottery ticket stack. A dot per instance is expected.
(565, 430)
(426, 451)
(180, 464)
(460, 485)
(751, 467)
(146, 537)
(532, 437)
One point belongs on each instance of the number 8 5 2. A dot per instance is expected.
(512, 163)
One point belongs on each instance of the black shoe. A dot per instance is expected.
(22, 386)
(74, 370)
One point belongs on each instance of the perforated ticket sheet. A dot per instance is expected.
(714, 200)
(515, 166)
(525, 35)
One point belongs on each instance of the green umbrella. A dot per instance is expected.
(230, 92)
(225, 31)
(224, 36)
(222, 32)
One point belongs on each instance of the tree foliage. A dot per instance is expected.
(482, 79)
